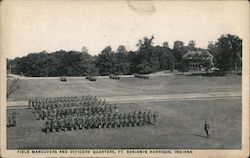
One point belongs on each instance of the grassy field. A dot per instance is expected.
(180, 121)
(173, 84)
(180, 126)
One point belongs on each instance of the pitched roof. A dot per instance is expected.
(198, 54)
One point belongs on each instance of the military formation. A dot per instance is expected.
(115, 77)
(85, 112)
(91, 78)
(141, 76)
(63, 79)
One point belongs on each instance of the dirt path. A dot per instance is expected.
(151, 98)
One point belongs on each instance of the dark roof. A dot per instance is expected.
(198, 54)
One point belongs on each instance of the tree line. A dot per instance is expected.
(227, 52)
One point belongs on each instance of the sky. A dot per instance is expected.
(35, 26)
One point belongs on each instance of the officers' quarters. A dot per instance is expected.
(197, 60)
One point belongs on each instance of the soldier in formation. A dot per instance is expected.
(85, 112)
(11, 120)
(74, 122)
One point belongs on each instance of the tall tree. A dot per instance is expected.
(165, 44)
(178, 51)
(122, 63)
(145, 60)
(105, 61)
(229, 52)
(191, 45)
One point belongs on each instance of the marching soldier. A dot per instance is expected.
(116, 121)
(50, 125)
(130, 121)
(98, 122)
(150, 120)
(144, 116)
(125, 120)
(86, 120)
(10, 121)
(62, 124)
(108, 121)
(47, 126)
(13, 115)
(155, 115)
(81, 125)
(37, 115)
(134, 118)
(140, 118)
(116, 109)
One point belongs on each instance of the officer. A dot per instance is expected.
(207, 129)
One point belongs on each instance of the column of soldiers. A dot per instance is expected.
(71, 113)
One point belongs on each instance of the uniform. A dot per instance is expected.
(155, 115)
(207, 129)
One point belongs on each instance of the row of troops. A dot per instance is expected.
(75, 111)
(114, 120)
(64, 101)
(64, 106)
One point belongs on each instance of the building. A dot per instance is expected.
(197, 60)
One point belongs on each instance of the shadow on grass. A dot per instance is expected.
(198, 135)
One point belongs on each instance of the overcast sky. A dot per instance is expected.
(34, 26)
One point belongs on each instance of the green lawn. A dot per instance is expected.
(180, 126)
(126, 86)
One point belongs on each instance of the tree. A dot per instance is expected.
(178, 51)
(105, 61)
(165, 57)
(165, 44)
(229, 52)
(212, 49)
(85, 49)
(146, 59)
(191, 45)
(122, 63)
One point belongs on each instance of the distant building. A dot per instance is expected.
(197, 60)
